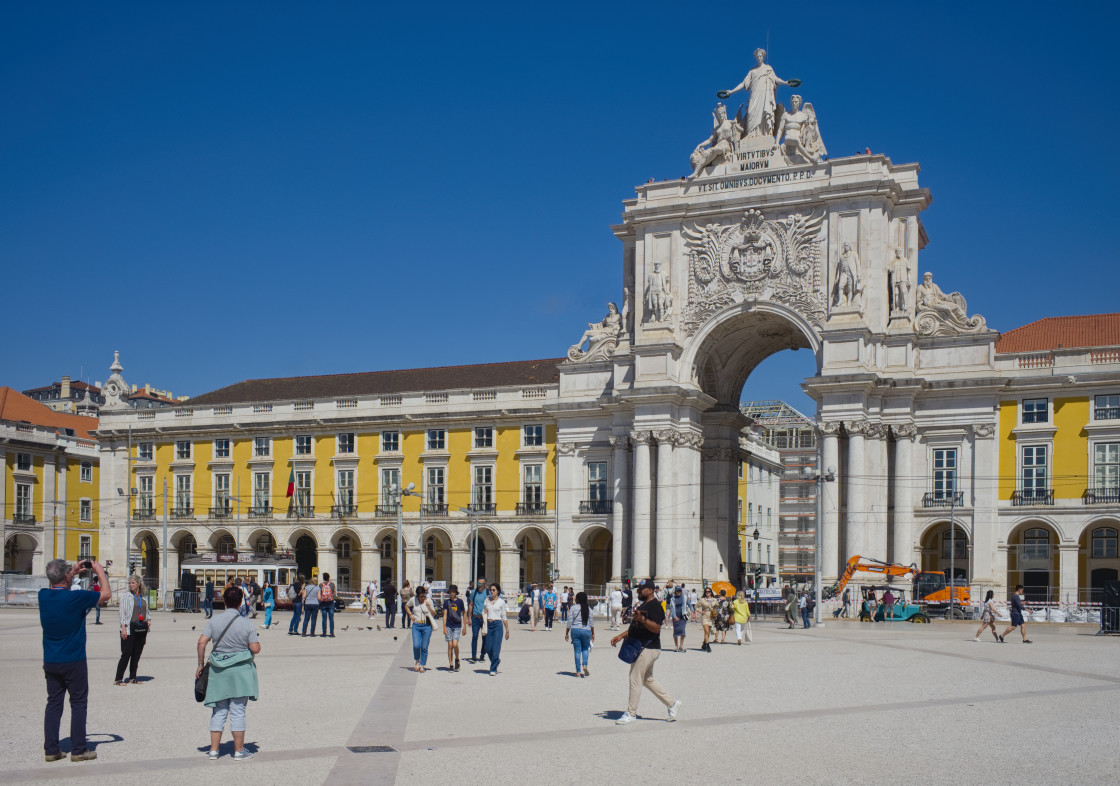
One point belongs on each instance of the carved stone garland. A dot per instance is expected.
(756, 259)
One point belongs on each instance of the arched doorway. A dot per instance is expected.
(348, 549)
(1098, 559)
(19, 553)
(937, 545)
(149, 558)
(489, 555)
(186, 545)
(535, 552)
(597, 545)
(262, 543)
(437, 555)
(386, 544)
(1032, 560)
(223, 542)
(307, 555)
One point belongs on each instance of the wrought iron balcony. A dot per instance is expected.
(1032, 497)
(301, 512)
(483, 508)
(182, 513)
(23, 518)
(260, 512)
(532, 508)
(433, 509)
(384, 511)
(943, 499)
(1102, 496)
(221, 512)
(344, 510)
(144, 514)
(596, 507)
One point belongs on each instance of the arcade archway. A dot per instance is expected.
(19, 553)
(534, 549)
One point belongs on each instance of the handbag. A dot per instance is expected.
(203, 677)
(750, 638)
(630, 650)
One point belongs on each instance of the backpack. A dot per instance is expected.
(326, 594)
(292, 594)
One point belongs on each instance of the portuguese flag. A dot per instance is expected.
(291, 483)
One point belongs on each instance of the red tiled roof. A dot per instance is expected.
(1089, 330)
(413, 380)
(16, 407)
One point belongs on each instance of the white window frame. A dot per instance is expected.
(525, 485)
(350, 440)
(429, 486)
(435, 435)
(482, 492)
(1049, 412)
(603, 482)
(1093, 463)
(390, 442)
(267, 503)
(351, 489)
(183, 446)
(183, 490)
(262, 447)
(25, 502)
(218, 448)
(953, 472)
(1021, 466)
(85, 546)
(24, 462)
(87, 472)
(85, 510)
(146, 495)
(537, 440)
(222, 496)
(146, 451)
(482, 434)
(1107, 406)
(386, 496)
(304, 492)
(310, 444)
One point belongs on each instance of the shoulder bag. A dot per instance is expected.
(204, 676)
(630, 650)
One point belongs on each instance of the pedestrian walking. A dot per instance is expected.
(496, 612)
(371, 599)
(678, 610)
(536, 605)
(476, 600)
(706, 608)
(645, 631)
(254, 595)
(327, 593)
(232, 682)
(135, 622)
(548, 600)
(615, 605)
(95, 586)
(565, 603)
(62, 615)
(791, 608)
(454, 612)
(1017, 609)
(310, 607)
(723, 616)
(295, 595)
(581, 632)
(406, 595)
(390, 604)
(208, 598)
(741, 616)
(269, 603)
(422, 614)
(987, 616)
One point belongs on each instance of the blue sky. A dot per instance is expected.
(228, 191)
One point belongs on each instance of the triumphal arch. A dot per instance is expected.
(770, 244)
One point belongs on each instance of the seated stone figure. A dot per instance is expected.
(601, 337)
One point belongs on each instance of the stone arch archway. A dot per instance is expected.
(348, 551)
(1033, 560)
(936, 546)
(596, 545)
(1098, 557)
(534, 548)
(437, 554)
(305, 549)
(19, 552)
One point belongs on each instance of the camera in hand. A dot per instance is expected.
(87, 565)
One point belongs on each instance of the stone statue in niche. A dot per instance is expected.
(847, 289)
(802, 143)
(762, 83)
(601, 337)
(899, 283)
(717, 148)
(939, 314)
(659, 299)
(627, 313)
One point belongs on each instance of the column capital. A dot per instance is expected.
(668, 436)
(857, 427)
(641, 437)
(620, 441)
(830, 428)
(691, 439)
(876, 430)
(904, 430)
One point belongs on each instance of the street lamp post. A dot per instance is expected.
(398, 494)
(820, 479)
(474, 543)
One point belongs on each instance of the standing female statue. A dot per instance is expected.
(761, 82)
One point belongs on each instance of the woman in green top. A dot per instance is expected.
(233, 672)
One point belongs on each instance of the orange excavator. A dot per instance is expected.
(930, 587)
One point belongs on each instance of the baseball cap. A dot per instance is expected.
(647, 584)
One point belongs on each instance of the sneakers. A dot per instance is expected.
(623, 719)
(1027, 641)
(586, 672)
(673, 710)
(212, 755)
(456, 664)
(242, 755)
(83, 756)
(976, 639)
(54, 756)
(493, 673)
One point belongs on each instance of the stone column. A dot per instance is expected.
(1067, 572)
(643, 490)
(49, 518)
(461, 567)
(903, 493)
(829, 509)
(856, 539)
(621, 463)
(510, 560)
(328, 562)
(875, 490)
(371, 566)
(685, 563)
(667, 479)
(985, 508)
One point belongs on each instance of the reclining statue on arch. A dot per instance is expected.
(601, 337)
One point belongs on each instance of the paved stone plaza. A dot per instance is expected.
(848, 703)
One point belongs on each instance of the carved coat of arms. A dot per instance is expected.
(754, 259)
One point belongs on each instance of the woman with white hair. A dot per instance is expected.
(232, 681)
(135, 624)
